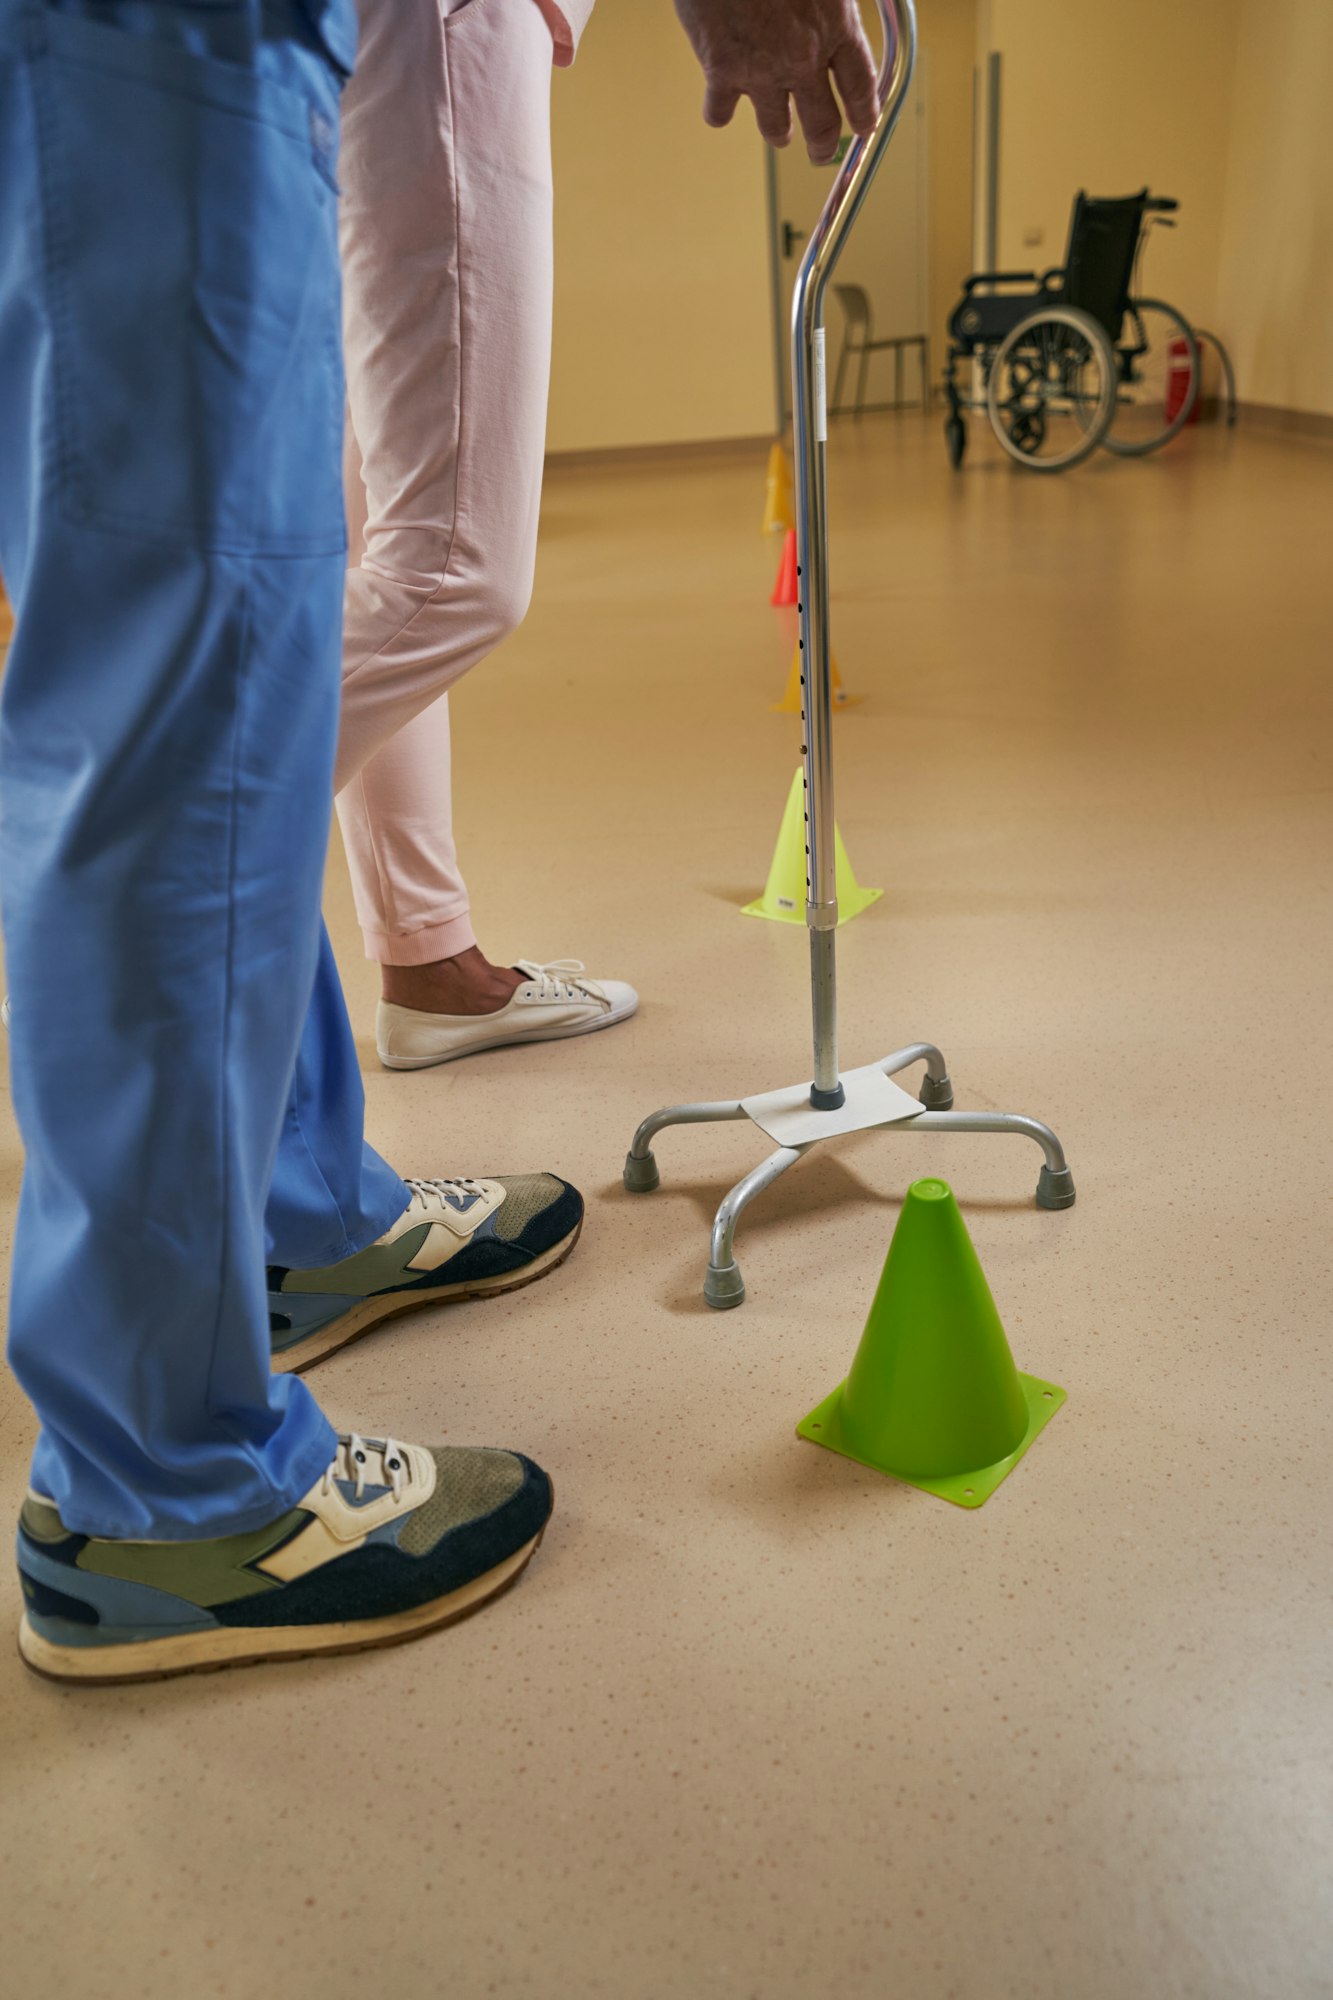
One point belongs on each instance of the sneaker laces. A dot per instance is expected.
(560, 979)
(457, 1190)
(354, 1462)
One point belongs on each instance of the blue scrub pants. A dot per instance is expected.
(171, 532)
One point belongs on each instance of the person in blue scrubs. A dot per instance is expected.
(201, 1216)
(171, 532)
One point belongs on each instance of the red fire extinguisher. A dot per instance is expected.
(1178, 382)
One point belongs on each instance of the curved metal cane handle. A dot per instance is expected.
(840, 211)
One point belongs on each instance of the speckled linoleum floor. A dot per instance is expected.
(758, 1723)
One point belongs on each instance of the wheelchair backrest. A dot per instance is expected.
(1099, 264)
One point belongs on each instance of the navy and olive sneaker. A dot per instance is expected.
(392, 1541)
(457, 1239)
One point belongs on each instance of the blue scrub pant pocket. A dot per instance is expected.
(190, 231)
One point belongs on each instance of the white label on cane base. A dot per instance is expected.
(821, 408)
(871, 1100)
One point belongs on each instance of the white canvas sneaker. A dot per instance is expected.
(554, 1002)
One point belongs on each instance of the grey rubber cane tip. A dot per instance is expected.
(827, 1100)
(641, 1176)
(723, 1286)
(936, 1093)
(1055, 1190)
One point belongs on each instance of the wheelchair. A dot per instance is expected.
(1080, 361)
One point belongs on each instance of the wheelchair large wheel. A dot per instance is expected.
(1050, 394)
(1157, 363)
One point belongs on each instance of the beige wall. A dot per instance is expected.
(1109, 98)
(1222, 105)
(662, 330)
(662, 325)
(1275, 293)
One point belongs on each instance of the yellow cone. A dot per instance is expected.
(784, 895)
(777, 497)
(791, 700)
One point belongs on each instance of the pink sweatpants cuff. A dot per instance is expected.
(422, 947)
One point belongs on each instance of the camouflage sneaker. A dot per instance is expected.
(393, 1541)
(457, 1239)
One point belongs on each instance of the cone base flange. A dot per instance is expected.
(789, 707)
(848, 907)
(964, 1489)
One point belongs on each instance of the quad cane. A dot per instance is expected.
(836, 1102)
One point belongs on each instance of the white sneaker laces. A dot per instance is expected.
(369, 1462)
(457, 1191)
(561, 979)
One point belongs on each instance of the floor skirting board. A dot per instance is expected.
(1292, 423)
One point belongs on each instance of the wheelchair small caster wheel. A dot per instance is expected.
(1055, 1190)
(723, 1287)
(641, 1176)
(955, 441)
(936, 1093)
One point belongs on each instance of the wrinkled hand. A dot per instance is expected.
(772, 51)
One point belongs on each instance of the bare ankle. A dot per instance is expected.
(467, 983)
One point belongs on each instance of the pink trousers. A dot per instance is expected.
(446, 244)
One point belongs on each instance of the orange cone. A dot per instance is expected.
(791, 700)
(784, 590)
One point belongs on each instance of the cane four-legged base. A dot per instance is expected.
(723, 1284)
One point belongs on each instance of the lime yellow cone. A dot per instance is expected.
(784, 895)
(791, 700)
(777, 496)
(933, 1395)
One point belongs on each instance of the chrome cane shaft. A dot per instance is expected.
(723, 1284)
(809, 418)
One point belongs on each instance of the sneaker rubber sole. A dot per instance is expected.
(380, 1306)
(512, 1041)
(229, 1646)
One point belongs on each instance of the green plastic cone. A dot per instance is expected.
(784, 895)
(933, 1395)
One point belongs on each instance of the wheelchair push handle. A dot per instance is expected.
(1161, 205)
